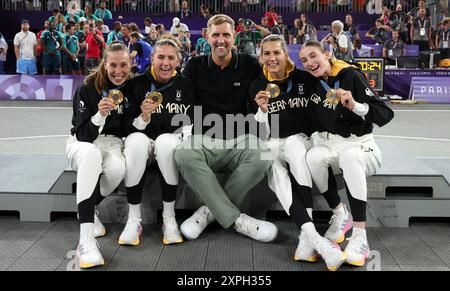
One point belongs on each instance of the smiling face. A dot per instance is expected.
(118, 66)
(315, 61)
(274, 58)
(165, 60)
(221, 38)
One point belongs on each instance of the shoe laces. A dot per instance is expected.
(247, 224)
(203, 216)
(88, 245)
(357, 243)
(335, 223)
(132, 223)
(170, 223)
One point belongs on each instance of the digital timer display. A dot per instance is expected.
(373, 68)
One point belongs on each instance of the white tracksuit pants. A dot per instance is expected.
(165, 145)
(357, 157)
(290, 152)
(139, 149)
(103, 156)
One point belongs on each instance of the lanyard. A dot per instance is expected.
(327, 87)
(445, 33)
(105, 92)
(160, 89)
(424, 23)
(395, 44)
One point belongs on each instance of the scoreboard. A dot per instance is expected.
(373, 68)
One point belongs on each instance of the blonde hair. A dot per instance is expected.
(169, 42)
(274, 38)
(316, 44)
(220, 19)
(168, 35)
(99, 75)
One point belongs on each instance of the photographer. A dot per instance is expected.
(339, 42)
(94, 44)
(378, 33)
(247, 39)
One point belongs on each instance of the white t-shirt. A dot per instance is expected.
(4, 46)
(26, 42)
(364, 51)
(342, 40)
(174, 29)
(149, 28)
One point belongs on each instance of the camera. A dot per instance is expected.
(333, 37)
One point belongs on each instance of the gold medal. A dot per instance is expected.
(133, 54)
(332, 97)
(156, 97)
(273, 90)
(116, 96)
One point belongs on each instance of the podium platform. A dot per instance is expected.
(38, 185)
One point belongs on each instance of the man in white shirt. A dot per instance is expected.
(339, 42)
(177, 25)
(3, 52)
(362, 51)
(25, 47)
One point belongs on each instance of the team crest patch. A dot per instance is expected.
(369, 92)
(178, 95)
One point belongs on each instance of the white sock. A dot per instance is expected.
(168, 209)
(310, 211)
(85, 230)
(309, 229)
(340, 210)
(134, 211)
(359, 232)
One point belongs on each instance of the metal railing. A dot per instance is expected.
(222, 6)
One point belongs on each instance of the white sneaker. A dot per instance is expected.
(98, 230)
(305, 252)
(330, 252)
(339, 225)
(196, 224)
(88, 253)
(357, 250)
(259, 230)
(171, 234)
(131, 233)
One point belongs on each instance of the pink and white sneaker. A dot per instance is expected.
(131, 233)
(357, 250)
(340, 224)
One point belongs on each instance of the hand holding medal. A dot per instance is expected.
(150, 104)
(273, 90)
(105, 106)
(346, 98)
(262, 100)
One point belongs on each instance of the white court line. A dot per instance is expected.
(413, 137)
(425, 110)
(433, 158)
(33, 137)
(51, 108)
